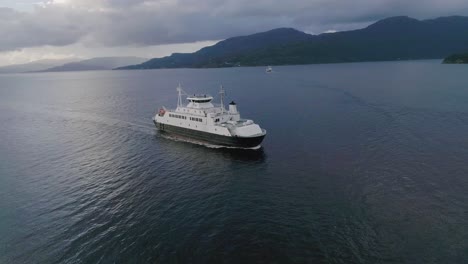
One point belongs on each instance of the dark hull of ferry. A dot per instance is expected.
(238, 142)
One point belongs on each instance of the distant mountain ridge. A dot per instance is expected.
(210, 56)
(103, 63)
(394, 38)
(34, 66)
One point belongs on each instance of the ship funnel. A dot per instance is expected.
(232, 108)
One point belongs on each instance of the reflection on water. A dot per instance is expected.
(359, 166)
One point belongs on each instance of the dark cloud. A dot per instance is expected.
(153, 22)
(43, 27)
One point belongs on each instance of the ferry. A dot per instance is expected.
(201, 120)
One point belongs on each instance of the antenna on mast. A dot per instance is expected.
(222, 93)
(179, 99)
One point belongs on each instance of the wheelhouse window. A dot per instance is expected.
(201, 101)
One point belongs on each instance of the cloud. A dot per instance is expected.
(114, 23)
(45, 26)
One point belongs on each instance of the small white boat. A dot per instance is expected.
(269, 69)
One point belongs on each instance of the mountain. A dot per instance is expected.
(39, 65)
(104, 63)
(213, 56)
(461, 58)
(395, 38)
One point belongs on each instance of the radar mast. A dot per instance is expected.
(222, 92)
(179, 98)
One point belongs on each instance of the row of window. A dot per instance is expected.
(184, 117)
(196, 119)
(177, 116)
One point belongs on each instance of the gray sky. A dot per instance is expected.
(35, 29)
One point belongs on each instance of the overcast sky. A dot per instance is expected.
(31, 29)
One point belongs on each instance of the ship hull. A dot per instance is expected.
(238, 142)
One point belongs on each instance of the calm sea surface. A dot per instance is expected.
(363, 163)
